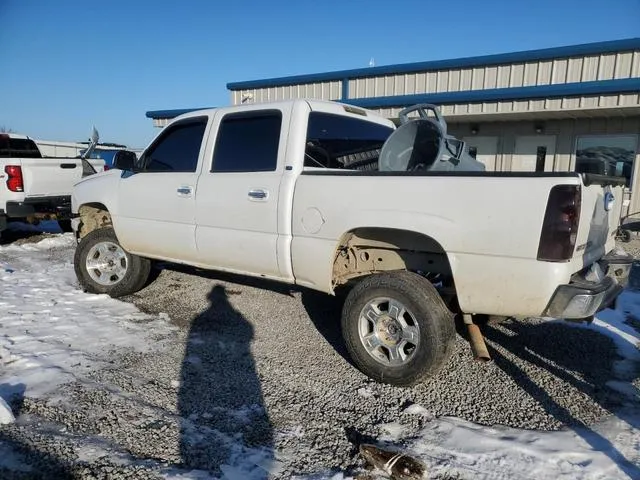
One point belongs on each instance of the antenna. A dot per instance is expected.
(372, 62)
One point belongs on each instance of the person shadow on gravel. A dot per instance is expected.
(225, 428)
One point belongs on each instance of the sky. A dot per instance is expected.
(68, 65)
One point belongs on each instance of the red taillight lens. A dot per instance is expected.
(15, 182)
(106, 167)
(560, 226)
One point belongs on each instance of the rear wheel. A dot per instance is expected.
(397, 328)
(103, 266)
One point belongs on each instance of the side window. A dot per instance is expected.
(178, 148)
(248, 142)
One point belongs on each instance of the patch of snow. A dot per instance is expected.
(366, 393)
(416, 409)
(6, 414)
(50, 331)
(392, 431)
(451, 446)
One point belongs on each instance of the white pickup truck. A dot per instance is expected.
(31, 185)
(283, 191)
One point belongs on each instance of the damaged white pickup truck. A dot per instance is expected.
(337, 199)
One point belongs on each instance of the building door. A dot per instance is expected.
(534, 153)
(483, 149)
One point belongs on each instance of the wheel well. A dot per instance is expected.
(92, 217)
(364, 251)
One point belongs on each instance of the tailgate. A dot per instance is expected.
(601, 208)
(50, 176)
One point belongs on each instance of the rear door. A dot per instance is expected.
(238, 198)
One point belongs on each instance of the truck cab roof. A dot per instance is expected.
(327, 106)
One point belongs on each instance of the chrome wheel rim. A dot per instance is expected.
(106, 263)
(388, 331)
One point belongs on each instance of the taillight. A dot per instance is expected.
(560, 226)
(106, 167)
(15, 182)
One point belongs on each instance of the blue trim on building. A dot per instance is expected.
(468, 62)
(600, 87)
(156, 114)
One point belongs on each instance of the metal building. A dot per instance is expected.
(567, 108)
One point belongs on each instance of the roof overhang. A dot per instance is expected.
(600, 87)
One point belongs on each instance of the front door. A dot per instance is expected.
(534, 153)
(483, 149)
(237, 202)
(156, 211)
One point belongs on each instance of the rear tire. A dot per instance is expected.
(102, 266)
(404, 342)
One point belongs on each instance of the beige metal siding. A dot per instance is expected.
(320, 91)
(558, 71)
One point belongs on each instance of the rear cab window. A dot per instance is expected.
(338, 141)
(18, 147)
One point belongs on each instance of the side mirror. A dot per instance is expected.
(124, 160)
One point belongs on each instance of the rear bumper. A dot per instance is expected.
(59, 205)
(592, 289)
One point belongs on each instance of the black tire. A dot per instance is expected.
(436, 326)
(65, 225)
(137, 273)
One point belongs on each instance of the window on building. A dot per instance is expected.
(607, 155)
(177, 149)
(248, 142)
(337, 141)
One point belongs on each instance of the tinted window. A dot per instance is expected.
(248, 142)
(18, 148)
(177, 149)
(338, 141)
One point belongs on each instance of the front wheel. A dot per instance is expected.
(397, 328)
(103, 266)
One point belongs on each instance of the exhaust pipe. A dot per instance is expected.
(476, 340)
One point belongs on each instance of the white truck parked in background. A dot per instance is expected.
(332, 197)
(32, 185)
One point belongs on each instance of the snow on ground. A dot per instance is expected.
(50, 331)
(610, 450)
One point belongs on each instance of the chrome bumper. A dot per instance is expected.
(592, 289)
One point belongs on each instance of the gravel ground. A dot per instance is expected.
(252, 343)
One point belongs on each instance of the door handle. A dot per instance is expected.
(258, 194)
(185, 191)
